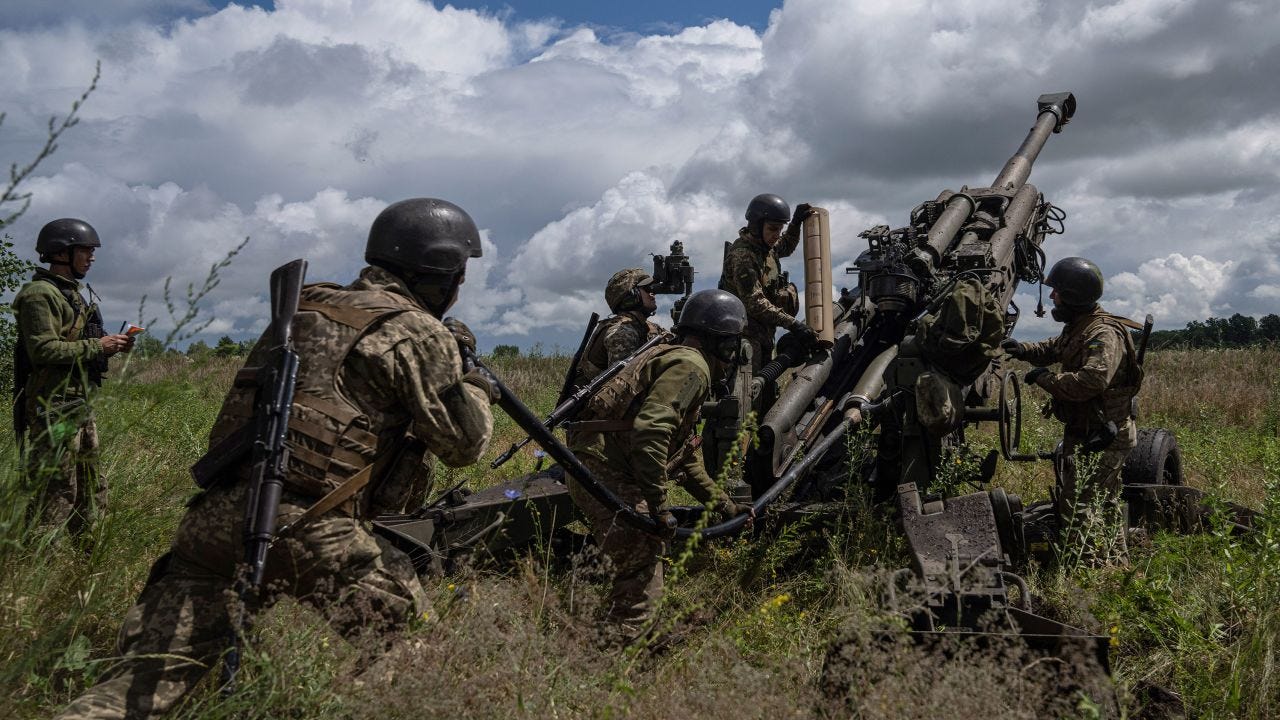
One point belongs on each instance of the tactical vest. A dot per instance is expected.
(330, 438)
(777, 288)
(614, 408)
(1115, 403)
(595, 359)
(86, 324)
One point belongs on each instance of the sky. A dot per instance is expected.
(582, 137)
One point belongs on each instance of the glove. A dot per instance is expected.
(803, 331)
(462, 334)
(803, 210)
(1013, 348)
(665, 521)
(482, 380)
(1034, 374)
(729, 509)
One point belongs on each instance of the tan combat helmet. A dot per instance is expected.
(622, 291)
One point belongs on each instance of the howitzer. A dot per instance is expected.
(673, 275)
(573, 404)
(275, 382)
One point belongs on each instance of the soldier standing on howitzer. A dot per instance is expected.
(1093, 394)
(380, 383)
(60, 352)
(639, 431)
(615, 338)
(753, 273)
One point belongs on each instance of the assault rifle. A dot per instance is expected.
(574, 403)
(275, 381)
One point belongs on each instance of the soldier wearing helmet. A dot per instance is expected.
(753, 273)
(1093, 393)
(621, 334)
(639, 433)
(380, 390)
(60, 353)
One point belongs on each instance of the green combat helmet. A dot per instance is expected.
(623, 291)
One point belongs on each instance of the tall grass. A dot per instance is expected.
(751, 621)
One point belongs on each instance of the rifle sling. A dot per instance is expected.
(334, 497)
(595, 426)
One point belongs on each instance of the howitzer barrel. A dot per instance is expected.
(1055, 110)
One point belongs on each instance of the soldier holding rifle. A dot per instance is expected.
(375, 365)
(618, 336)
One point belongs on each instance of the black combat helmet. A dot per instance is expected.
(1077, 281)
(423, 236)
(713, 312)
(765, 208)
(64, 234)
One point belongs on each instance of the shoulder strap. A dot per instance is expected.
(353, 317)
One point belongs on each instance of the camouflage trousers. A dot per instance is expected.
(182, 623)
(61, 462)
(634, 557)
(1100, 487)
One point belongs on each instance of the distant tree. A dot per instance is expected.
(198, 349)
(1239, 331)
(1269, 329)
(226, 347)
(148, 346)
(506, 351)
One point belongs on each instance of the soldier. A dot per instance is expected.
(753, 273)
(376, 362)
(639, 432)
(60, 353)
(1093, 394)
(626, 330)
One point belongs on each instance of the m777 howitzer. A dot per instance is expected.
(910, 354)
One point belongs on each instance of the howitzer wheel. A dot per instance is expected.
(1155, 460)
(1010, 423)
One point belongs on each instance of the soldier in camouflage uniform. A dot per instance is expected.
(1093, 393)
(62, 351)
(638, 433)
(376, 363)
(753, 273)
(616, 337)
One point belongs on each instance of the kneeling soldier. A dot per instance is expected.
(375, 365)
(640, 431)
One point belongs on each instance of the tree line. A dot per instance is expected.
(1232, 332)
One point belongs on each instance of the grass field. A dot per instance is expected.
(1199, 616)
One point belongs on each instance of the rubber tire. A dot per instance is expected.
(1155, 460)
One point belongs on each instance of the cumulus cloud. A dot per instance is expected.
(580, 154)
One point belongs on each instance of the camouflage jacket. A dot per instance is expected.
(614, 339)
(753, 272)
(362, 390)
(671, 383)
(52, 318)
(1099, 375)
